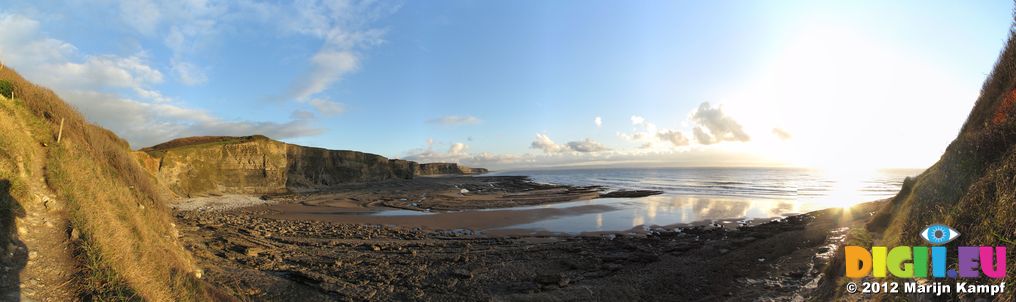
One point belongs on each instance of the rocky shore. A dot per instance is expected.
(255, 256)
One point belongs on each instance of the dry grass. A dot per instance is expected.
(128, 248)
(202, 140)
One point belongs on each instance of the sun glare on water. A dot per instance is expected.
(847, 187)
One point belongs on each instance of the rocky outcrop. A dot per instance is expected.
(218, 165)
(201, 166)
(447, 169)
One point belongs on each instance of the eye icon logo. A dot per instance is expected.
(938, 234)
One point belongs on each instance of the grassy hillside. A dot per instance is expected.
(122, 234)
(972, 188)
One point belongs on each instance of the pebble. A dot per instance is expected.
(462, 273)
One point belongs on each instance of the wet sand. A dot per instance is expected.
(476, 220)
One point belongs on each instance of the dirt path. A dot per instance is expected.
(43, 265)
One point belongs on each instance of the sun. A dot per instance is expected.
(848, 184)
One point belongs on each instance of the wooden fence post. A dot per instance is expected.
(60, 134)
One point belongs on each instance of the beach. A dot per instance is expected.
(330, 245)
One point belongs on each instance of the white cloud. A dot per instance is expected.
(710, 125)
(188, 74)
(674, 137)
(702, 137)
(100, 86)
(459, 153)
(455, 120)
(457, 149)
(186, 26)
(327, 66)
(543, 142)
(343, 27)
(586, 146)
(782, 134)
(143, 15)
(720, 126)
(484, 159)
(649, 136)
(598, 122)
(326, 107)
(146, 124)
(456, 152)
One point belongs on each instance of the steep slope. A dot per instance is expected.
(198, 166)
(80, 217)
(972, 187)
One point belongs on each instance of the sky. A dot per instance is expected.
(526, 84)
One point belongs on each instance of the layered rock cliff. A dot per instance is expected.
(210, 165)
(198, 166)
(314, 167)
(447, 169)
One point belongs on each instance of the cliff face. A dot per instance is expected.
(315, 167)
(199, 166)
(244, 165)
(447, 169)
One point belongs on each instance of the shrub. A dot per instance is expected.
(6, 88)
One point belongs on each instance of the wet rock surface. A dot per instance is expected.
(265, 259)
(630, 193)
(450, 193)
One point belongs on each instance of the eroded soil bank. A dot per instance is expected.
(258, 256)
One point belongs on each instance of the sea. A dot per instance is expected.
(695, 195)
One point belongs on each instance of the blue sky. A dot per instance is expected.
(518, 84)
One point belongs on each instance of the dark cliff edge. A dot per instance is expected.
(210, 165)
(447, 169)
